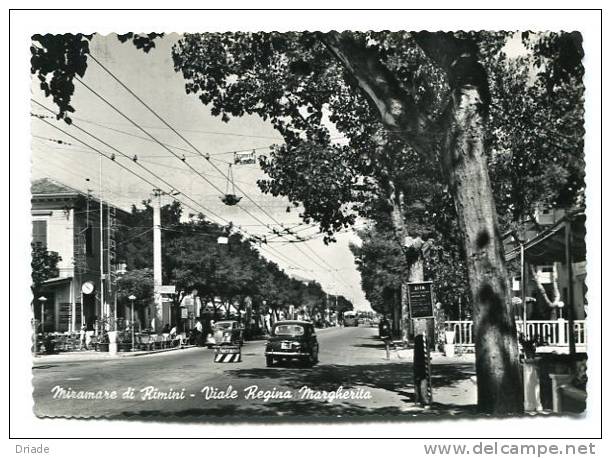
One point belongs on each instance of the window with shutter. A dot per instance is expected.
(39, 233)
(89, 241)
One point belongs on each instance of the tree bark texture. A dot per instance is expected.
(395, 105)
(497, 359)
(412, 249)
(463, 161)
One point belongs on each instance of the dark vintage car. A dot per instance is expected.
(292, 340)
(225, 332)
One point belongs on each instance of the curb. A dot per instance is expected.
(77, 357)
(151, 352)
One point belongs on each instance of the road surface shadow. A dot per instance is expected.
(301, 411)
(393, 377)
(396, 377)
(377, 345)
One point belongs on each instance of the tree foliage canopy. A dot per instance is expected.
(58, 59)
(192, 258)
(425, 119)
(44, 265)
(293, 81)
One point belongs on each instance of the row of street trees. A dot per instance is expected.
(44, 266)
(450, 139)
(192, 259)
(424, 114)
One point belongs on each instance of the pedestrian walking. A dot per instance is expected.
(386, 335)
(199, 333)
(83, 337)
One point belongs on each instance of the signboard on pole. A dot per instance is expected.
(167, 289)
(420, 299)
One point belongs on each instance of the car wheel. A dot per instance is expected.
(269, 361)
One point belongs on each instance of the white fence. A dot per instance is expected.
(549, 334)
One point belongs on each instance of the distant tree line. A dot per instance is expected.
(193, 259)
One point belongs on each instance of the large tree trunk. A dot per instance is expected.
(462, 133)
(412, 250)
(497, 361)
(464, 162)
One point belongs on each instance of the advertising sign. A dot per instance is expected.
(420, 299)
(167, 289)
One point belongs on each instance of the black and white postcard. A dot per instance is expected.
(310, 225)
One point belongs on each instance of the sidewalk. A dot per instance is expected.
(90, 355)
(453, 381)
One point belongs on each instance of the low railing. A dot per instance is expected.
(463, 332)
(547, 333)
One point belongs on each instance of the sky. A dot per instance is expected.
(152, 77)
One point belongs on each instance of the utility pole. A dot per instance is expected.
(108, 268)
(157, 259)
(523, 280)
(102, 276)
(568, 256)
(86, 247)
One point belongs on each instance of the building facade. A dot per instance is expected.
(73, 224)
(549, 250)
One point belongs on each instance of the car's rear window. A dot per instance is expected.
(292, 330)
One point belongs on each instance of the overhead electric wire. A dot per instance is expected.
(273, 251)
(67, 147)
(112, 75)
(122, 242)
(185, 150)
(323, 260)
(165, 147)
(170, 151)
(169, 126)
(177, 168)
(127, 168)
(172, 188)
(204, 132)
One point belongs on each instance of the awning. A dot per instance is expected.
(549, 246)
(56, 281)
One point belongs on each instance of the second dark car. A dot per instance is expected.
(292, 340)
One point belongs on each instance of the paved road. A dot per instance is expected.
(352, 364)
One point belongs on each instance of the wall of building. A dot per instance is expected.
(67, 220)
(579, 287)
(67, 216)
(87, 268)
(60, 226)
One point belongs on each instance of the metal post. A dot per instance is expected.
(157, 268)
(108, 270)
(42, 300)
(102, 308)
(460, 322)
(523, 274)
(82, 305)
(132, 322)
(570, 311)
(429, 388)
